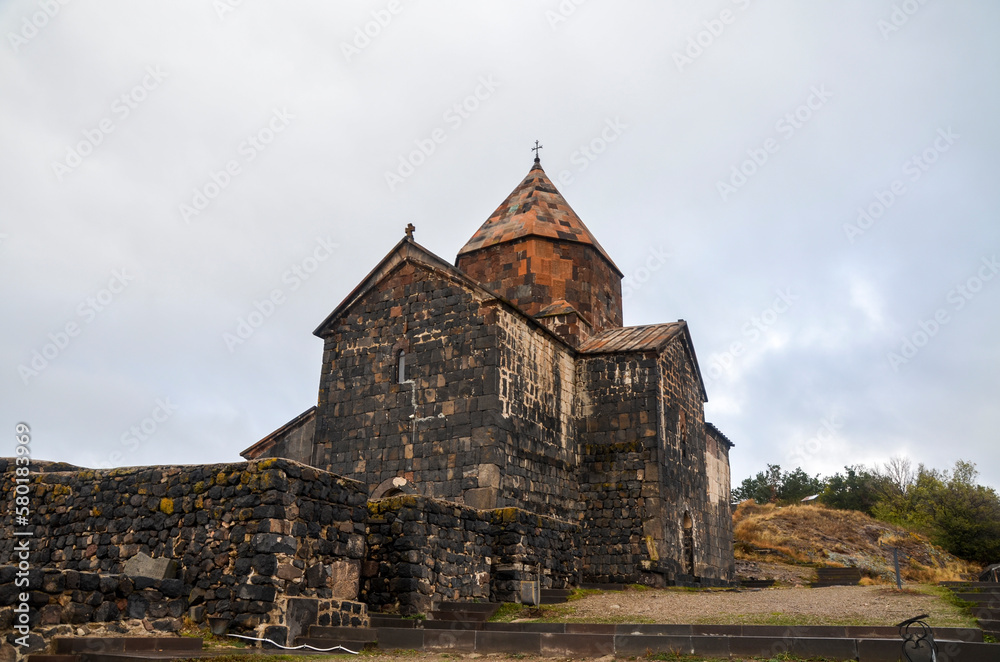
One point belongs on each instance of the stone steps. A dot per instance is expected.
(478, 607)
(463, 612)
(861, 644)
(874, 644)
(96, 645)
(990, 627)
(985, 598)
(472, 616)
(391, 621)
(354, 639)
(979, 586)
(836, 577)
(554, 596)
(980, 598)
(603, 587)
(119, 649)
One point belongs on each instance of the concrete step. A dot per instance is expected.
(554, 596)
(991, 627)
(327, 643)
(489, 608)
(95, 645)
(392, 621)
(836, 577)
(598, 640)
(985, 613)
(454, 624)
(353, 634)
(603, 587)
(980, 586)
(980, 598)
(401, 638)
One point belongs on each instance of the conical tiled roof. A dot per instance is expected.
(536, 208)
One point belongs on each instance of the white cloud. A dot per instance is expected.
(655, 186)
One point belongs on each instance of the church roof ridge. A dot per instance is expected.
(534, 208)
(408, 250)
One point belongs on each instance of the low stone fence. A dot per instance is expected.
(247, 538)
(422, 551)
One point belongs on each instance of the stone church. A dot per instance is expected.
(507, 379)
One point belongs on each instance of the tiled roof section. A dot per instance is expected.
(718, 433)
(633, 338)
(535, 207)
(267, 442)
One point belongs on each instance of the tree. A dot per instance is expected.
(762, 488)
(967, 517)
(951, 509)
(776, 486)
(859, 488)
(899, 473)
(798, 485)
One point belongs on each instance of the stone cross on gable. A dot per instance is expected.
(409, 231)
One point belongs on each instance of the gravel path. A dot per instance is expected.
(835, 605)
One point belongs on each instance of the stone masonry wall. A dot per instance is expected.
(423, 551)
(534, 272)
(429, 429)
(647, 469)
(247, 537)
(618, 429)
(685, 476)
(536, 427)
(526, 547)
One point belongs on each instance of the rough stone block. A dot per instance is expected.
(142, 565)
(483, 498)
(344, 579)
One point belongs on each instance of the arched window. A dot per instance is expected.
(401, 366)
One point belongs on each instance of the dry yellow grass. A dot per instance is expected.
(823, 536)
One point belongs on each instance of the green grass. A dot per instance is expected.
(962, 612)
(209, 640)
(581, 593)
(604, 620)
(678, 657)
(779, 618)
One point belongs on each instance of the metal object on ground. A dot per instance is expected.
(918, 640)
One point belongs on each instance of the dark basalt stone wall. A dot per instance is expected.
(423, 551)
(650, 472)
(247, 537)
(428, 429)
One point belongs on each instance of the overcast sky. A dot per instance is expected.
(187, 189)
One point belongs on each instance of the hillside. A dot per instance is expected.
(814, 535)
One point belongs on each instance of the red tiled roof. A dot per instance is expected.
(632, 338)
(536, 208)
